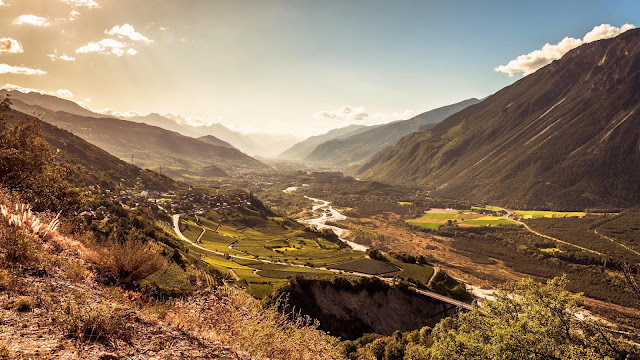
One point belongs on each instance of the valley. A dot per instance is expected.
(277, 186)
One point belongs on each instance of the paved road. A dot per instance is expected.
(448, 300)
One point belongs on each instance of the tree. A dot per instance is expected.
(29, 167)
(528, 321)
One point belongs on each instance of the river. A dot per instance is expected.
(331, 214)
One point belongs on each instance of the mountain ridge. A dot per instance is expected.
(553, 139)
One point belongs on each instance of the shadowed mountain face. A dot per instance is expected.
(566, 136)
(150, 146)
(344, 151)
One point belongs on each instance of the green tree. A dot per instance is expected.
(528, 321)
(30, 168)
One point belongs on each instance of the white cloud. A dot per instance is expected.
(127, 31)
(115, 113)
(533, 61)
(63, 57)
(63, 93)
(82, 3)
(190, 120)
(359, 114)
(348, 113)
(2, 3)
(9, 69)
(73, 15)
(106, 46)
(8, 45)
(31, 20)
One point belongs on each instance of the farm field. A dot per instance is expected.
(547, 214)
(257, 240)
(435, 218)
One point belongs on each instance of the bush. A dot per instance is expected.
(95, 322)
(126, 262)
(17, 247)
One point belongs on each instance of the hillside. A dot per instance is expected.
(96, 166)
(345, 151)
(302, 149)
(210, 139)
(50, 102)
(564, 137)
(150, 146)
(165, 123)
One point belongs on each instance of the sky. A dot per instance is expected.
(297, 67)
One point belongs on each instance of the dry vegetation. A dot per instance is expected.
(56, 302)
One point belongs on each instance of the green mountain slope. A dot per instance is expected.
(302, 149)
(150, 146)
(345, 151)
(566, 136)
(96, 166)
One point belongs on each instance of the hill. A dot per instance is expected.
(50, 102)
(564, 137)
(150, 146)
(95, 166)
(210, 139)
(165, 123)
(345, 151)
(302, 149)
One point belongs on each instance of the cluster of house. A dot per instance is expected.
(192, 202)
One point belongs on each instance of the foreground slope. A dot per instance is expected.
(150, 146)
(358, 147)
(566, 136)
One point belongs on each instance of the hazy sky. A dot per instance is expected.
(288, 66)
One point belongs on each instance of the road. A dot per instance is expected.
(617, 243)
(509, 213)
(176, 228)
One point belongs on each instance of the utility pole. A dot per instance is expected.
(131, 159)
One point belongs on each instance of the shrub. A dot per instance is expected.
(23, 304)
(127, 262)
(18, 248)
(94, 322)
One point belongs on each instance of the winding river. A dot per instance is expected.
(328, 214)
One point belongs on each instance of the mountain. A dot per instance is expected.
(209, 139)
(346, 151)
(95, 166)
(165, 123)
(50, 102)
(255, 144)
(302, 149)
(150, 146)
(564, 137)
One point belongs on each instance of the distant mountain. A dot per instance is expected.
(255, 144)
(564, 137)
(302, 149)
(96, 166)
(209, 139)
(150, 146)
(50, 102)
(163, 122)
(346, 151)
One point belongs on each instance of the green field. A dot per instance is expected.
(405, 203)
(367, 266)
(547, 214)
(489, 221)
(433, 225)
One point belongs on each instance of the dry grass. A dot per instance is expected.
(225, 322)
